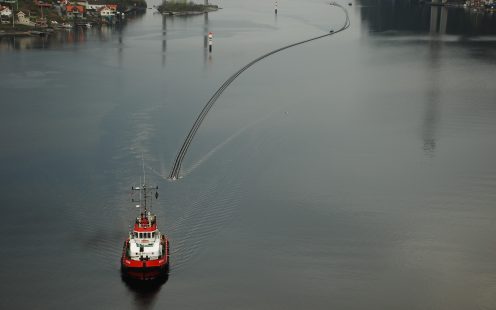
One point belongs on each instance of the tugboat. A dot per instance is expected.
(145, 255)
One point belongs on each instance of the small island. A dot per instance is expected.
(185, 8)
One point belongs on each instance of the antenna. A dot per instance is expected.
(144, 190)
(143, 162)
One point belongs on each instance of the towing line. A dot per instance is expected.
(174, 174)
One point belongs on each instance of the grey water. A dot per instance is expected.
(355, 172)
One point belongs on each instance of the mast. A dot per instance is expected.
(144, 178)
(144, 190)
(143, 166)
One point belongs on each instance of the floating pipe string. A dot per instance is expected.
(174, 174)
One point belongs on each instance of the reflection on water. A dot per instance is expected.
(443, 20)
(173, 21)
(120, 44)
(164, 39)
(432, 99)
(205, 39)
(416, 17)
(411, 21)
(144, 292)
(68, 37)
(439, 20)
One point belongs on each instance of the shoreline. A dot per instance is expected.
(73, 25)
(15, 33)
(186, 13)
(185, 9)
(38, 32)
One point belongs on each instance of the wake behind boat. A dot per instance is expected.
(145, 255)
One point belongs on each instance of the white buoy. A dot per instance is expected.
(210, 41)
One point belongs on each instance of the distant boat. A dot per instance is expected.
(145, 255)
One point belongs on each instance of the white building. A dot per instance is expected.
(24, 20)
(5, 11)
(106, 11)
(98, 6)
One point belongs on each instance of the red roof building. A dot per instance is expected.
(74, 9)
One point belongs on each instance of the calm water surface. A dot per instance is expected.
(355, 172)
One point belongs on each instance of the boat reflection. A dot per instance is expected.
(144, 292)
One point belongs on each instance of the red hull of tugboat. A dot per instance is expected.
(145, 269)
(145, 273)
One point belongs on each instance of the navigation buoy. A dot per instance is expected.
(210, 39)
